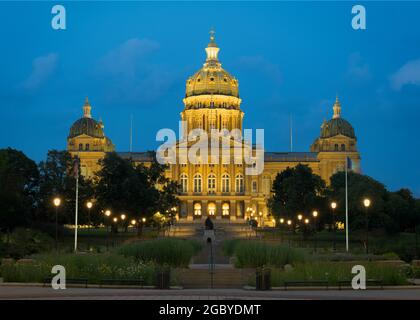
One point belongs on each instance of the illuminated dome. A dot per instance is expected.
(337, 125)
(212, 79)
(87, 125)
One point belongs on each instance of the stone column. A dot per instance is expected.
(232, 210)
(204, 212)
(218, 209)
(190, 210)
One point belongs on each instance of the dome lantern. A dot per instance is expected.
(337, 108)
(86, 109)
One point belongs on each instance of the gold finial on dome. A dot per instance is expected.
(212, 33)
(212, 50)
(86, 109)
(337, 108)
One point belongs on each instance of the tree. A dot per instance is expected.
(138, 191)
(359, 187)
(296, 190)
(57, 180)
(18, 188)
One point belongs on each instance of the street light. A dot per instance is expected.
(366, 203)
(123, 216)
(315, 215)
(289, 223)
(89, 205)
(280, 228)
(108, 213)
(57, 202)
(333, 206)
(299, 217)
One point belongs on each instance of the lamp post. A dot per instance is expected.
(366, 203)
(57, 202)
(280, 227)
(124, 225)
(305, 231)
(299, 217)
(107, 214)
(315, 215)
(289, 223)
(115, 227)
(333, 206)
(89, 205)
(261, 220)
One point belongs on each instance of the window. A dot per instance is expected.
(225, 209)
(197, 209)
(343, 147)
(197, 183)
(211, 183)
(336, 147)
(239, 183)
(225, 183)
(80, 147)
(87, 147)
(254, 186)
(184, 183)
(211, 208)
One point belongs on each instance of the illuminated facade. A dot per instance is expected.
(223, 190)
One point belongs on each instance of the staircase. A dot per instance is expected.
(224, 277)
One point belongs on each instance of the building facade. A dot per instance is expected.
(221, 189)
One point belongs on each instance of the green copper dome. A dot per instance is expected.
(335, 127)
(87, 125)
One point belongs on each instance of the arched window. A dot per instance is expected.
(211, 208)
(239, 183)
(336, 147)
(184, 182)
(197, 183)
(197, 209)
(87, 147)
(80, 147)
(225, 209)
(211, 186)
(225, 183)
(343, 147)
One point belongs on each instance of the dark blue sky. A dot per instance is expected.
(290, 58)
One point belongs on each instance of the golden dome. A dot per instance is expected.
(212, 79)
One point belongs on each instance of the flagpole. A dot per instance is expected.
(347, 210)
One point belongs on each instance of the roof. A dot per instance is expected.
(146, 156)
(290, 157)
(149, 156)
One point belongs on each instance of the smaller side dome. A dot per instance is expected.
(337, 125)
(87, 125)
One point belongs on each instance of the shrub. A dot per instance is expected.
(258, 254)
(93, 267)
(172, 252)
(23, 242)
(334, 272)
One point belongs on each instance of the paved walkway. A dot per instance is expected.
(24, 292)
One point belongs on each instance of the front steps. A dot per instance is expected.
(224, 277)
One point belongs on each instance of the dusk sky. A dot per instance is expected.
(289, 58)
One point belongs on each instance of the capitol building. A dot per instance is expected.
(222, 190)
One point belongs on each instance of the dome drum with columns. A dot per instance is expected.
(223, 191)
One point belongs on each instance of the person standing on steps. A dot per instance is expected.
(209, 224)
